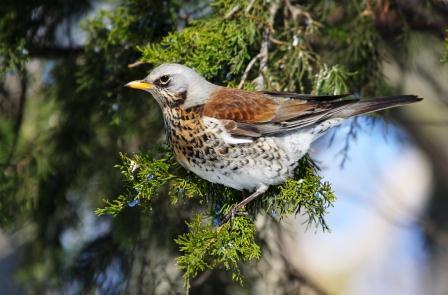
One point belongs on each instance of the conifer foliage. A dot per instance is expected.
(224, 52)
(57, 150)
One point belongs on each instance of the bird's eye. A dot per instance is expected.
(164, 79)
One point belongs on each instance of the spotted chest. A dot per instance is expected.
(190, 139)
(202, 146)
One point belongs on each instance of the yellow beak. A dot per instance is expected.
(140, 85)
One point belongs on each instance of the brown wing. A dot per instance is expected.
(240, 106)
(254, 107)
(253, 114)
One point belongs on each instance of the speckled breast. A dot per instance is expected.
(202, 150)
(192, 143)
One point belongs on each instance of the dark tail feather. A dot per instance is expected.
(375, 104)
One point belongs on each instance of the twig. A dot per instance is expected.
(264, 51)
(232, 11)
(278, 42)
(351, 135)
(247, 70)
(249, 6)
(136, 64)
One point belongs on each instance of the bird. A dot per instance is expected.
(246, 140)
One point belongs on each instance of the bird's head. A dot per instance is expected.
(175, 85)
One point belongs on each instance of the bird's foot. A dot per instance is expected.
(235, 211)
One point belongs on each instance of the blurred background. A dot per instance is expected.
(65, 117)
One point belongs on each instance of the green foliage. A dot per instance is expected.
(306, 193)
(332, 80)
(354, 42)
(221, 51)
(22, 167)
(8, 177)
(11, 57)
(213, 47)
(363, 55)
(63, 151)
(62, 162)
(147, 176)
(209, 46)
(205, 247)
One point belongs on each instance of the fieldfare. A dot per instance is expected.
(246, 140)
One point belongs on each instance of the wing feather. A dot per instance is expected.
(240, 106)
(305, 96)
(255, 114)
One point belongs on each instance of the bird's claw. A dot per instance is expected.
(236, 211)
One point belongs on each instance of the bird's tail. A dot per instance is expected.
(374, 104)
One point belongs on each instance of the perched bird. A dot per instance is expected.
(246, 140)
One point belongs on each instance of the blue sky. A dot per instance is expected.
(397, 265)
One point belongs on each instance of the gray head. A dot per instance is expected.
(175, 84)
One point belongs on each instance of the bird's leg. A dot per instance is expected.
(236, 209)
(260, 190)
